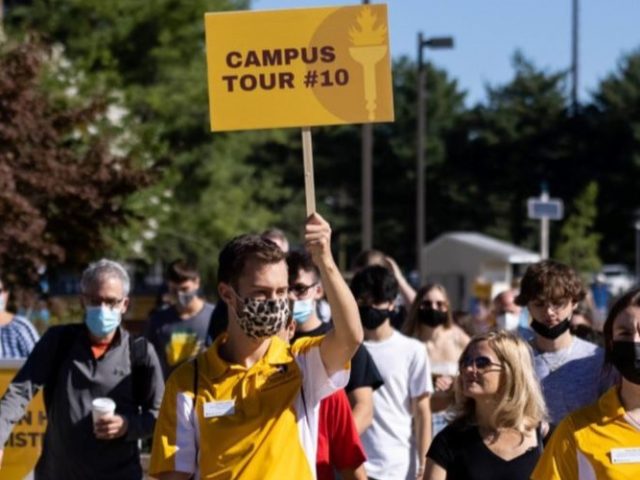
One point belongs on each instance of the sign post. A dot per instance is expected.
(299, 68)
(545, 209)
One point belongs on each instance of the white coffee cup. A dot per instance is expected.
(102, 407)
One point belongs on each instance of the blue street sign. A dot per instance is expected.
(553, 208)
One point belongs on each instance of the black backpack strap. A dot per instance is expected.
(65, 337)
(140, 378)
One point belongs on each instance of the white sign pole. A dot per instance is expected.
(544, 230)
(309, 184)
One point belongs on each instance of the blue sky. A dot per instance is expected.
(488, 32)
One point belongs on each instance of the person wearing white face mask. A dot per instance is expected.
(508, 315)
(179, 332)
(77, 363)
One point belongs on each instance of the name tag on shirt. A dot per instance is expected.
(219, 409)
(625, 455)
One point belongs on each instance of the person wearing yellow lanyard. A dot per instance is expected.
(602, 440)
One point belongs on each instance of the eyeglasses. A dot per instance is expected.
(109, 302)
(556, 308)
(439, 305)
(481, 362)
(300, 289)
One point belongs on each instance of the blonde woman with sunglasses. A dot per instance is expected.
(498, 423)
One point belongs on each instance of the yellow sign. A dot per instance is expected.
(300, 67)
(23, 448)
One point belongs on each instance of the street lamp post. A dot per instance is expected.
(435, 42)
(367, 183)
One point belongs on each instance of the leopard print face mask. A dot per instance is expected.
(262, 318)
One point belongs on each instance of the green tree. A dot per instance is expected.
(63, 177)
(152, 53)
(500, 152)
(579, 242)
(614, 147)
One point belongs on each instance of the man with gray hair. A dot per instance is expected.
(78, 363)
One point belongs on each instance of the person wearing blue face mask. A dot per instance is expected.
(305, 289)
(179, 332)
(78, 363)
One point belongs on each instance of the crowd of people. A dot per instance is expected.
(295, 373)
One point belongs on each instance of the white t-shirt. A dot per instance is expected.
(389, 441)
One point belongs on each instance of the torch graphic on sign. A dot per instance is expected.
(368, 49)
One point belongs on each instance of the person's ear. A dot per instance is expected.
(319, 292)
(225, 291)
(196, 282)
(125, 305)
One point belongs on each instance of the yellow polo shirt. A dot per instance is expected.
(585, 443)
(255, 423)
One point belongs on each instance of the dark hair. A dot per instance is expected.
(376, 284)
(239, 250)
(368, 258)
(629, 299)
(297, 261)
(550, 281)
(182, 270)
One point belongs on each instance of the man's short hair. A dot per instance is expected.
(375, 284)
(297, 261)
(237, 252)
(550, 281)
(182, 270)
(101, 270)
(277, 236)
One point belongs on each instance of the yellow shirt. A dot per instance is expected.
(255, 423)
(583, 444)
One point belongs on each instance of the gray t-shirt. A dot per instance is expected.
(572, 377)
(177, 340)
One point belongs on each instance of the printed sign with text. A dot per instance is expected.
(299, 67)
(25, 442)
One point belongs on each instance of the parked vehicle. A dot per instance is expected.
(618, 278)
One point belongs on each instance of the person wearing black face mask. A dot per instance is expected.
(398, 424)
(430, 322)
(601, 437)
(568, 367)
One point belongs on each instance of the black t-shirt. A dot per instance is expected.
(459, 449)
(364, 372)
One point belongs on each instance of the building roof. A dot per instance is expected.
(486, 245)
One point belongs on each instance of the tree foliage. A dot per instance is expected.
(61, 184)
(579, 242)
(482, 162)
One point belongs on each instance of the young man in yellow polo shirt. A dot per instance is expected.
(254, 414)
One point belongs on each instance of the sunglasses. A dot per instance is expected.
(481, 362)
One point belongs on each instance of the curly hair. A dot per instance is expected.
(550, 281)
(520, 404)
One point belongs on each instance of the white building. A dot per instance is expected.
(462, 261)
